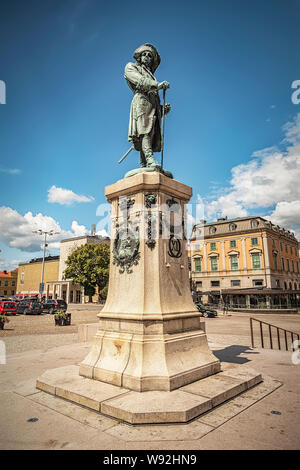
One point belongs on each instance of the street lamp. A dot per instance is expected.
(50, 233)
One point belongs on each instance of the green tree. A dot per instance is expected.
(88, 266)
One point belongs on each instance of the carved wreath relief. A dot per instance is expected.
(126, 250)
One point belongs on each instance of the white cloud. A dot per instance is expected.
(66, 196)
(79, 230)
(102, 233)
(269, 180)
(16, 230)
(10, 171)
(286, 213)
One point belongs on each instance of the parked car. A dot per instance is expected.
(28, 306)
(8, 308)
(205, 312)
(53, 305)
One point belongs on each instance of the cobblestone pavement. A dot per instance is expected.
(38, 332)
(263, 419)
(44, 323)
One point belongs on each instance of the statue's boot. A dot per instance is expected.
(151, 162)
(143, 161)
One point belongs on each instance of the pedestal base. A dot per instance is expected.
(150, 355)
(178, 406)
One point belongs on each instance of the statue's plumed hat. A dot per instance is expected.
(148, 47)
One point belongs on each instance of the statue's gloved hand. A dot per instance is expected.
(165, 85)
(167, 108)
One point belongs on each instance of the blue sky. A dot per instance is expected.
(230, 65)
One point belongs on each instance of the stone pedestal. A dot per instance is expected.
(149, 335)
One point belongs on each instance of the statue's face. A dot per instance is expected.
(147, 58)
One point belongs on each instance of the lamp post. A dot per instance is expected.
(45, 233)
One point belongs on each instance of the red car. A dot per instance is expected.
(8, 308)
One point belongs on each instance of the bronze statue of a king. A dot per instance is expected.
(146, 111)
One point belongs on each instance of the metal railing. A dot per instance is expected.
(281, 335)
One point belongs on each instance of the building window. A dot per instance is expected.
(297, 266)
(291, 251)
(273, 242)
(293, 266)
(288, 264)
(0, 283)
(285, 286)
(254, 241)
(255, 261)
(6, 283)
(5, 292)
(198, 284)
(258, 282)
(215, 283)
(282, 264)
(12, 292)
(234, 262)
(13, 283)
(275, 261)
(236, 283)
(212, 230)
(286, 248)
(232, 227)
(212, 246)
(232, 244)
(22, 278)
(254, 223)
(197, 265)
(214, 263)
(277, 283)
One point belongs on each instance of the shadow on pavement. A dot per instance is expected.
(232, 353)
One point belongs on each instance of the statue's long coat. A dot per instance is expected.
(145, 111)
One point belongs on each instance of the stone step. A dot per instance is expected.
(177, 406)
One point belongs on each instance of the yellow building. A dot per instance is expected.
(55, 286)
(243, 259)
(29, 275)
(8, 283)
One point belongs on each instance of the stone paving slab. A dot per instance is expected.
(66, 382)
(72, 410)
(218, 388)
(183, 432)
(176, 406)
(228, 410)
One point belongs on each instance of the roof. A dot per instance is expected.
(86, 236)
(224, 220)
(40, 260)
(267, 225)
(8, 273)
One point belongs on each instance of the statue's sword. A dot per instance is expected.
(127, 153)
